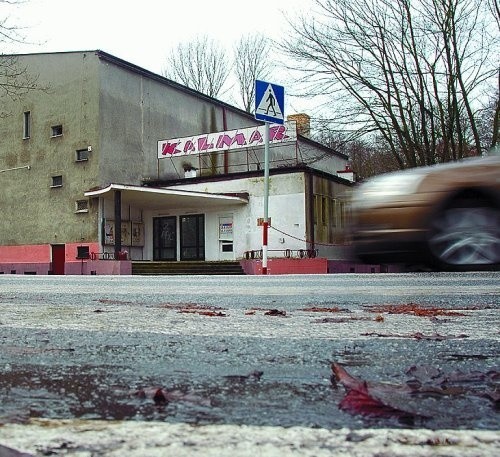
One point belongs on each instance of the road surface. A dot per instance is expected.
(223, 365)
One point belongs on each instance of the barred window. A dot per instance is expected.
(57, 130)
(82, 206)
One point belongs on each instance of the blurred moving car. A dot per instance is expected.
(446, 216)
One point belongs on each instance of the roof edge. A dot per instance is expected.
(163, 191)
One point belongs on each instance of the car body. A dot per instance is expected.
(445, 216)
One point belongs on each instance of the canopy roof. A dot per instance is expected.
(160, 198)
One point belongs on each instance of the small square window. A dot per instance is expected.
(57, 130)
(82, 206)
(227, 247)
(82, 155)
(57, 181)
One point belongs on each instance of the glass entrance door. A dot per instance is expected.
(193, 237)
(165, 238)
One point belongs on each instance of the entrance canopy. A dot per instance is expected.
(159, 198)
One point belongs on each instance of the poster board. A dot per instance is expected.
(132, 233)
(137, 234)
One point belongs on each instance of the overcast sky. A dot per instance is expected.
(144, 31)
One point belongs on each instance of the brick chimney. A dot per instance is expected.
(303, 123)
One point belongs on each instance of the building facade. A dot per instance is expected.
(85, 183)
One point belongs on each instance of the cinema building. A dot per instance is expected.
(106, 164)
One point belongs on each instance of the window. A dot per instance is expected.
(26, 125)
(316, 204)
(82, 206)
(324, 210)
(227, 247)
(82, 155)
(56, 130)
(82, 252)
(57, 181)
(338, 216)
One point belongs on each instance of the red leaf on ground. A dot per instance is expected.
(372, 400)
(359, 401)
(417, 397)
(159, 398)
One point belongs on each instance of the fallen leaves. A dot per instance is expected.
(195, 308)
(203, 312)
(414, 309)
(214, 311)
(416, 336)
(316, 309)
(266, 312)
(162, 396)
(371, 400)
(114, 302)
(342, 320)
(377, 399)
(275, 312)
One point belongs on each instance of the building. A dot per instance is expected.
(106, 161)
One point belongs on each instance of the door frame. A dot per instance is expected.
(199, 246)
(157, 249)
(58, 259)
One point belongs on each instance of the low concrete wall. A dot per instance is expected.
(314, 266)
(85, 267)
(25, 268)
(32, 253)
(98, 267)
(345, 266)
(36, 260)
(286, 266)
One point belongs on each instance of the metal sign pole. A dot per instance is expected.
(265, 224)
(269, 107)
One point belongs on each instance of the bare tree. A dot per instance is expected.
(15, 80)
(494, 8)
(495, 122)
(408, 72)
(200, 64)
(251, 55)
(488, 120)
(367, 158)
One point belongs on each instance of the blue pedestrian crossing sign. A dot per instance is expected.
(269, 102)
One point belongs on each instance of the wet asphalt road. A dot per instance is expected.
(248, 350)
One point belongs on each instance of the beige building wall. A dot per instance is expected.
(39, 203)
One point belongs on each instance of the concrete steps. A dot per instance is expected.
(187, 268)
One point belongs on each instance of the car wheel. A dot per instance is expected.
(466, 235)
